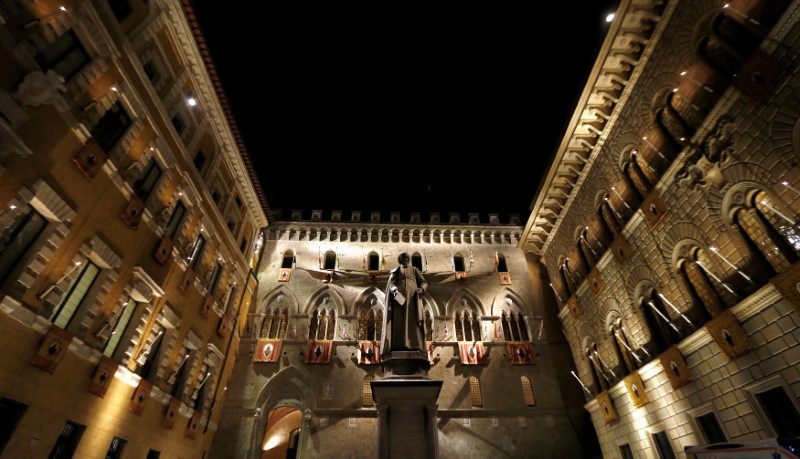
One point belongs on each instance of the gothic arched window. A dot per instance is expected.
(467, 326)
(322, 324)
(275, 323)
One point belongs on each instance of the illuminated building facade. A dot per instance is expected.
(667, 224)
(129, 226)
(301, 384)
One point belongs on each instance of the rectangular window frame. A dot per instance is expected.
(125, 318)
(116, 447)
(693, 416)
(175, 219)
(655, 430)
(53, 58)
(111, 127)
(197, 251)
(69, 438)
(622, 454)
(57, 317)
(213, 280)
(146, 184)
(773, 382)
(21, 227)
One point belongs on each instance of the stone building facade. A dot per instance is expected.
(129, 226)
(318, 316)
(668, 227)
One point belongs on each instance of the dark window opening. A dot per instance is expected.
(66, 56)
(153, 454)
(199, 160)
(243, 245)
(238, 201)
(115, 448)
(144, 186)
(288, 259)
(416, 260)
(67, 441)
(502, 267)
(625, 451)
(176, 219)
(17, 241)
(11, 412)
(177, 123)
(711, 428)
(374, 263)
(213, 280)
(121, 9)
(151, 72)
(330, 260)
(663, 446)
(781, 412)
(111, 127)
(458, 263)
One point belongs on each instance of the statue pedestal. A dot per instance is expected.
(406, 417)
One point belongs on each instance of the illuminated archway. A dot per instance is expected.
(281, 436)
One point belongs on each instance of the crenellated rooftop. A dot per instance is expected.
(410, 218)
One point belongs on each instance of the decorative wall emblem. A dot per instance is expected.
(52, 350)
(675, 367)
(103, 376)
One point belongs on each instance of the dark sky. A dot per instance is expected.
(442, 109)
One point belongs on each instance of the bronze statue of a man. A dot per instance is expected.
(403, 327)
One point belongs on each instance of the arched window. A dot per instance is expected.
(416, 261)
(664, 332)
(695, 270)
(322, 324)
(627, 358)
(275, 323)
(366, 393)
(370, 322)
(599, 377)
(458, 263)
(373, 261)
(513, 323)
(728, 45)
(770, 228)
(475, 392)
(467, 325)
(567, 278)
(527, 391)
(640, 173)
(502, 267)
(587, 252)
(330, 260)
(610, 217)
(288, 260)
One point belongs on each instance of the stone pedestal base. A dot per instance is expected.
(406, 417)
(405, 365)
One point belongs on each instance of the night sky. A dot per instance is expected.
(444, 109)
